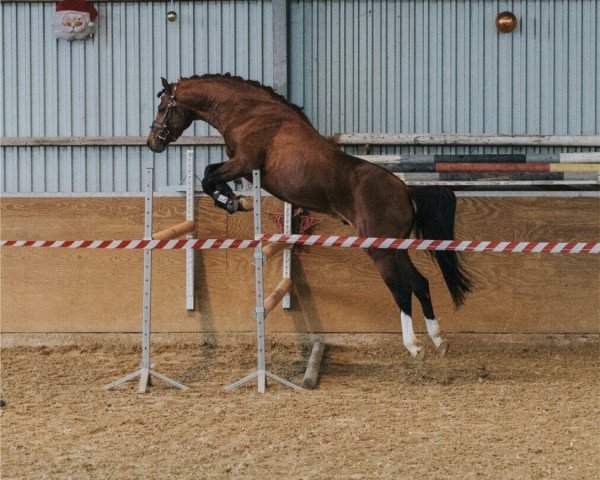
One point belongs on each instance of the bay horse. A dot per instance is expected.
(262, 130)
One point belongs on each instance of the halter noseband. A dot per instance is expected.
(161, 131)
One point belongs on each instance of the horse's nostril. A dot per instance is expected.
(154, 145)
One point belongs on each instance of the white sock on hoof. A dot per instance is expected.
(433, 329)
(408, 334)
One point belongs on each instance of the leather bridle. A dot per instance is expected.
(161, 130)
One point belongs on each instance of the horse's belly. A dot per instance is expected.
(309, 176)
(307, 196)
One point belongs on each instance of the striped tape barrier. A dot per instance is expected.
(317, 240)
(194, 244)
(440, 245)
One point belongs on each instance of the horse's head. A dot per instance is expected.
(170, 121)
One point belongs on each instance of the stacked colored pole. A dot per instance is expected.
(559, 168)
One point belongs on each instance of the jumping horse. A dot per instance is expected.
(262, 130)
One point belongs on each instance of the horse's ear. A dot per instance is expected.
(166, 85)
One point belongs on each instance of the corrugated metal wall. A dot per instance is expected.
(106, 86)
(440, 66)
(435, 66)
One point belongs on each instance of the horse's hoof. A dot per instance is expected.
(232, 206)
(419, 356)
(246, 204)
(443, 348)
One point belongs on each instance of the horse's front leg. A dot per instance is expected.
(215, 185)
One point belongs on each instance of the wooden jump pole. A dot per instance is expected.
(272, 249)
(552, 158)
(175, 231)
(311, 376)
(276, 296)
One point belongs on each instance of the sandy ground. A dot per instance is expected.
(490, 409)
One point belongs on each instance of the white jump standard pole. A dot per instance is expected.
(190, 190)
(261, 374)
(287, 253)
(145, 371)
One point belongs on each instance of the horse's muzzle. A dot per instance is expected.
(155, 144)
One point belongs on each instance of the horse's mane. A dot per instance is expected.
(252, 83)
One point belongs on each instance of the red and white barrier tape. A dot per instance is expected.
(195, 244)
(451, 245)
(318, 240)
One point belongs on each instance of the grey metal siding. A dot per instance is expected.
(429, 66)
(440, 66)
(106, 86)
(94, 169)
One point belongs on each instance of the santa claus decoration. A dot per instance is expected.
(74, 19)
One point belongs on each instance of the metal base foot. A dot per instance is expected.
(261, 379)
(145, 375)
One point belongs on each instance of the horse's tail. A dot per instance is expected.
(434, 219)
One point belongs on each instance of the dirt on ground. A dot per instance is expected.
(487, 410)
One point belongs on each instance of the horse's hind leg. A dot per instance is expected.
(420, 287)
(399, 285)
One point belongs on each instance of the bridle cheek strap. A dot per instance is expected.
(161, 131)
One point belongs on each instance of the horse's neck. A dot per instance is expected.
(203, 105)
(214, 103)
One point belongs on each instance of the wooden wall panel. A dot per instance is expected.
(335, 290)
